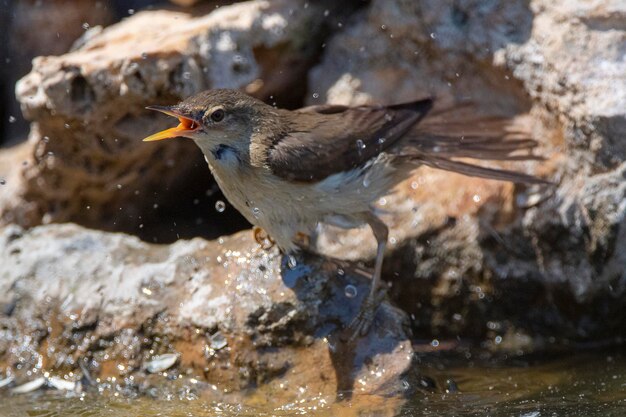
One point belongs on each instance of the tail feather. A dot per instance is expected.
(479, 171)
(449, 134)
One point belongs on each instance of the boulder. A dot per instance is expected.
(32, 28)
(461, 249)
(87, 109)
(477, 257)
(229, 315)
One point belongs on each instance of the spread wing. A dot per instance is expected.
(327, 139)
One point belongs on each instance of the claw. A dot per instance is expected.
(262, 238)
(362, 322)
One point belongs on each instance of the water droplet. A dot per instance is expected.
(46, 139)
(432, 35)
(85, 25)
(360, 144)
(186, 75)
(292, 262)
(350, 291)
(256, 212)
(67, 125)
(380, 141)
(414, 185)
(144, 55)
(119, 186)
(220, 206)
(388, 117)
(3, 181)
(476, 198)
(316, 95)
(131, 11)
(12, 119)
(383, 27)
(434, 343)
(382, 201)
(341, 272)
(366, 181)
(326, 13)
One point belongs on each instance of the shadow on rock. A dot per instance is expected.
(336, 289)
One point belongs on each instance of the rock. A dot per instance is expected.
(37, 28)
(88, 114)
(231, 314)
(462, 248)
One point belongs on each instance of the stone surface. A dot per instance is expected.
(35, 28)
(237, 316)
(476, 257)
(467, 256)
(88, 114)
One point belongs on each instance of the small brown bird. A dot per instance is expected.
(286, 171)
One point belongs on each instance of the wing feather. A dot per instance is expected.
(324, 140)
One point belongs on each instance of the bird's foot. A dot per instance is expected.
(361, 324)
(262, 238)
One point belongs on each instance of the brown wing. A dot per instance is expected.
(324, 140)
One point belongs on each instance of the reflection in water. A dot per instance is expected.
(590, 385)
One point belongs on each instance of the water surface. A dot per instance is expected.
(584, 384)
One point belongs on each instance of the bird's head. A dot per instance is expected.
(216, 119)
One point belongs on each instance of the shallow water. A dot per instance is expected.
(587, 384)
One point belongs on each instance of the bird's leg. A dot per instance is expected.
(362, 322)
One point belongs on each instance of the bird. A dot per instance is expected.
(287, 171)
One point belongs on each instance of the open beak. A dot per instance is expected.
(186, 124)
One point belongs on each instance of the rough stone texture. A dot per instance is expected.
(34, 28)
(88, 114)
(467, 256)
(238, 316)
(475, 257)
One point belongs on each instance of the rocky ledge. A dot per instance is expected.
(226, 314)
(506, 267)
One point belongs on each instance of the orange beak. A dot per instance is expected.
(186, 125)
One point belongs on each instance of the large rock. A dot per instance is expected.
(477, 257)
(32, 28)
(237, 316)
(461, 248)
(88, 114)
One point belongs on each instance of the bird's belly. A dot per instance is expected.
(283, 208)
(272, 205)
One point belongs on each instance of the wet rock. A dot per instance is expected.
(88, 114)
(476, 257)
(232, 315)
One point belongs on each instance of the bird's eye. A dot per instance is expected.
(217, 115)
